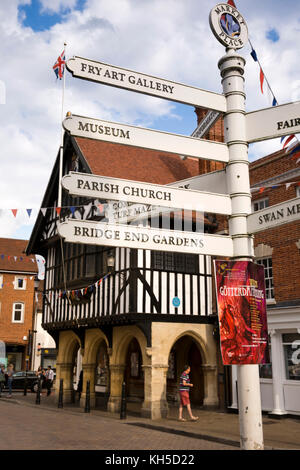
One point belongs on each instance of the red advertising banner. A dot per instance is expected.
(241, 300)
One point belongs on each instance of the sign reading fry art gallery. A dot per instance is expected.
(242, 314)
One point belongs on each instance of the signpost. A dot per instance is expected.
(83, 184)
(229, 27)
(273, 122)
(146, 138)
(146, 84)
(273, 216)
(117, 235)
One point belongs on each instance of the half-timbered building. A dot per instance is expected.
(125, 314)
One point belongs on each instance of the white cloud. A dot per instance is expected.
(169, 39)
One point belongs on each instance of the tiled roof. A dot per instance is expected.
(133, 163)
(13, 257)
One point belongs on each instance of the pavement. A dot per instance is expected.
(213, 425)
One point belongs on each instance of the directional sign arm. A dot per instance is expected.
(146, 138)
(102, 187)
(97, 233)
(139, 82)
(273, 122)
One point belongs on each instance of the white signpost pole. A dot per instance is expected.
(232, 70)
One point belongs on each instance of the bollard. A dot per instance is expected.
(123, 402)
(38, 393)
(60, 395)
(25, 384)
(87, 398)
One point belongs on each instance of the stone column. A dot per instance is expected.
(116, 380)
(277, 374)
(155, 386)
(211, 398)
(88, 374)
(64, 370)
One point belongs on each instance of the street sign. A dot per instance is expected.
(205, 182)
(145, 138)
(117, 235)
(146, 84)
(273, 216)
(228, 26)
(102, 187)
(206, 123)
(273, 122)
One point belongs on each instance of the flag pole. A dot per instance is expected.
(61, 149)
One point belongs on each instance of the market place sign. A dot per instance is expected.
(228, 26)
(117, 133)
(117, 235)
(139, 82)
(108, 188)
(273, 216)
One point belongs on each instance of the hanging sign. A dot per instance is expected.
(241, 300)
(273, 122)
(97, 233)
(145, 138)
(146, 84)
(228, 26)
(273, 216)
(102, 187)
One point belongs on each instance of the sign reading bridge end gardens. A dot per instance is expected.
(117, 235)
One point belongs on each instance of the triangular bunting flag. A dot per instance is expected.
(14, 211)
(261, 78)
(58, 210)
(44, 210)
(29, 212)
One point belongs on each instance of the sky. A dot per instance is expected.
(170, 39)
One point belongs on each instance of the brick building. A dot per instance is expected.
(17, 301)
(276, 179)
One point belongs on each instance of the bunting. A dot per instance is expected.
(76, 295)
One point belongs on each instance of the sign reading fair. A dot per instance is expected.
(241, 300)
(98, 233)
(146, 84)
(145, 138)
(83, 184)
(273, 122)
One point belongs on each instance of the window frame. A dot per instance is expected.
(13, 320)
(258, 201)
(269, 299)
(16, 282)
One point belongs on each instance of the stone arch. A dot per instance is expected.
(122, 336)
(68, 346)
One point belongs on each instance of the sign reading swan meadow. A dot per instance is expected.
(117, 235)
(83, 184)
(146, 84)
(146, 138)
(273, 216)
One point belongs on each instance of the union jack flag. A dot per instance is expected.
(59, 66)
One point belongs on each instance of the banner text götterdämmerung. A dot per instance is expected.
(241, 299)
